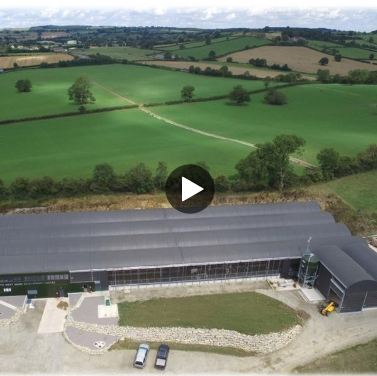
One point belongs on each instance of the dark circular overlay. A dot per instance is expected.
(197, 175)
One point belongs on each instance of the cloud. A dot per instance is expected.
(361, 19)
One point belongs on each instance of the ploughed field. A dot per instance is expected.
(339, 116)
(139, 84)
(32, 59)
(300, 59)
(128, 53)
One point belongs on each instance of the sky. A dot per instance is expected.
(349, 18)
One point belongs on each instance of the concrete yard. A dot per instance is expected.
(51, 353)
(53, 318)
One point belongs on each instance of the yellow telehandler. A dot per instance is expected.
(327, 308)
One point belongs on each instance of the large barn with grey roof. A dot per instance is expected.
(53, 254)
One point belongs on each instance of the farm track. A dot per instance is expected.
(297, 161)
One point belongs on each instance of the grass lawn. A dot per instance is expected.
(358, 191)
(343, 117)
(248, 313)
(129, 53)
(223, 48)
(356, 360)
(133, 345)
(71, 147)
(139, 83)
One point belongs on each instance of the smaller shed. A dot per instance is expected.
(343, 280)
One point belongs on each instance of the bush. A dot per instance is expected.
(139, 179)
(275, 97)
(222, 184)
(19, 188)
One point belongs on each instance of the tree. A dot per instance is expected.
(80, 92)
(161, 175)
(275, 97)
(371, 56)
(358, 76)
(324, 75)
(239, 95)
(168, 55)
(19, 188)
(208, 40)
(139, 179)
(222, 184)
(328, 160)
(3, 190)
(212, 54)
(187, 93)
(15, 66)
(338, 57)
(224, 70)
(267, 82)
(253, 171)
(324, 61)
(275, 156)
(45, 186)
(203, 164)
(23, 86)
(229, 59)
(182, 47)
(103, 178)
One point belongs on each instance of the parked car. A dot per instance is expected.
(162, 357)
(141, 356)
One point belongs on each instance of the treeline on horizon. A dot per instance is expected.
(268, 168)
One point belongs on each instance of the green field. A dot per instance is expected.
(343, 117)
(223, 48)
(175, 47)
(320, 44)
(140, 84)
(128, 53)
(354, 360)
(358, 191)
(71, 147)
(356, 53)
(248, 313)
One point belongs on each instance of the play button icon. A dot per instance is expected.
(190, 189)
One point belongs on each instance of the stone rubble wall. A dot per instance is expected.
(263, 343)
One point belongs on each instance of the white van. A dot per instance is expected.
(141, 356)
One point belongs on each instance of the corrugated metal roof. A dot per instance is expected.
(342, 266)
(145, 238)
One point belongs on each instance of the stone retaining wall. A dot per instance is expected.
(263, 343)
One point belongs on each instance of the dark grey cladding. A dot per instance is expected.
(164, 237)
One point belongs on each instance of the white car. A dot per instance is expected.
(141, 356)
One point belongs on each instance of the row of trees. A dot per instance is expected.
(266, 168)
(356, 76)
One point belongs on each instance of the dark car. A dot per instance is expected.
(162, 357)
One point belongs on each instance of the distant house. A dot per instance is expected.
(58, 49)
(72, 42)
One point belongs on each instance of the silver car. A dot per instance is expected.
(141, 356)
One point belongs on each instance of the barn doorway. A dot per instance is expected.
(333, 296)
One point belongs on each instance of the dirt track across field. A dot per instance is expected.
(31, 60)
(300, 59)
(260, 73)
